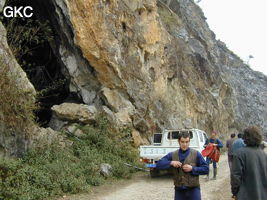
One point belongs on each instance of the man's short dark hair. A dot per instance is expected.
(240, 135)
(184, 134)
(232, 135)
(252, 136)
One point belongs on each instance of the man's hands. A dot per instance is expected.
(176, 164)
(186, 167)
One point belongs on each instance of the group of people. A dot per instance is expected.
(247, 162)
(248, 165)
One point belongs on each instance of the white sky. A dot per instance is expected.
(242, 26)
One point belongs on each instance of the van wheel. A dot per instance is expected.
(154, 173)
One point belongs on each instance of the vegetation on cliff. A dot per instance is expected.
(16, 106)
(49, 171)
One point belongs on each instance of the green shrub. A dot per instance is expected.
(16, 106)
(52, 170)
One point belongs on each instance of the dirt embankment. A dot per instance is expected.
(142, 187)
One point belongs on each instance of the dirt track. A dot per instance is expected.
(142, 187)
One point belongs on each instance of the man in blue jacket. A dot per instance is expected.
(187, 164)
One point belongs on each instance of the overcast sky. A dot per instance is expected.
(242, 26)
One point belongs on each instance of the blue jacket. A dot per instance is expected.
(201, 167)
(238, 144)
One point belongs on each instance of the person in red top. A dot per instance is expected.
(213, 140)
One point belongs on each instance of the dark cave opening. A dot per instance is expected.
(31, 40)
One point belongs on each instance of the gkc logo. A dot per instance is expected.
(15, 11)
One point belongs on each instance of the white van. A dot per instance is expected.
(166, 142)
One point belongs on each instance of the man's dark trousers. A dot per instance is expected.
(187, 194)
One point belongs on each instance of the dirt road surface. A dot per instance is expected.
(142, 187)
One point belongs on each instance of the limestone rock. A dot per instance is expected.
(141, 124)
(8, 58)
(48, 136)
(74, 129)
(56, 123)
(13, 143)
(75, 112)
(105, 169)
(2, 3)
(110, 115)
(137, 139)
(160, 64)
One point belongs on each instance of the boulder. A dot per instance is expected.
(70, 112)
(105, 169)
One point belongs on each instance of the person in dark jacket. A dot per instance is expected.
(216, 142)
(229, 144)
(187, 164)
(249, 174)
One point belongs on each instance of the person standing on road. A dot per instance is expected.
(187, 164)
(217, 144)
(229, 144)
(249, 174)
(238, 143)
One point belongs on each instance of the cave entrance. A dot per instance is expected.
(31, 40)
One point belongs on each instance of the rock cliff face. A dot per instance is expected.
(153, 64)
(158, 67)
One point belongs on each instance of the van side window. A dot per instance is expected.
(157, 138)
(201, 137)
(190, 134)
(173, 135)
